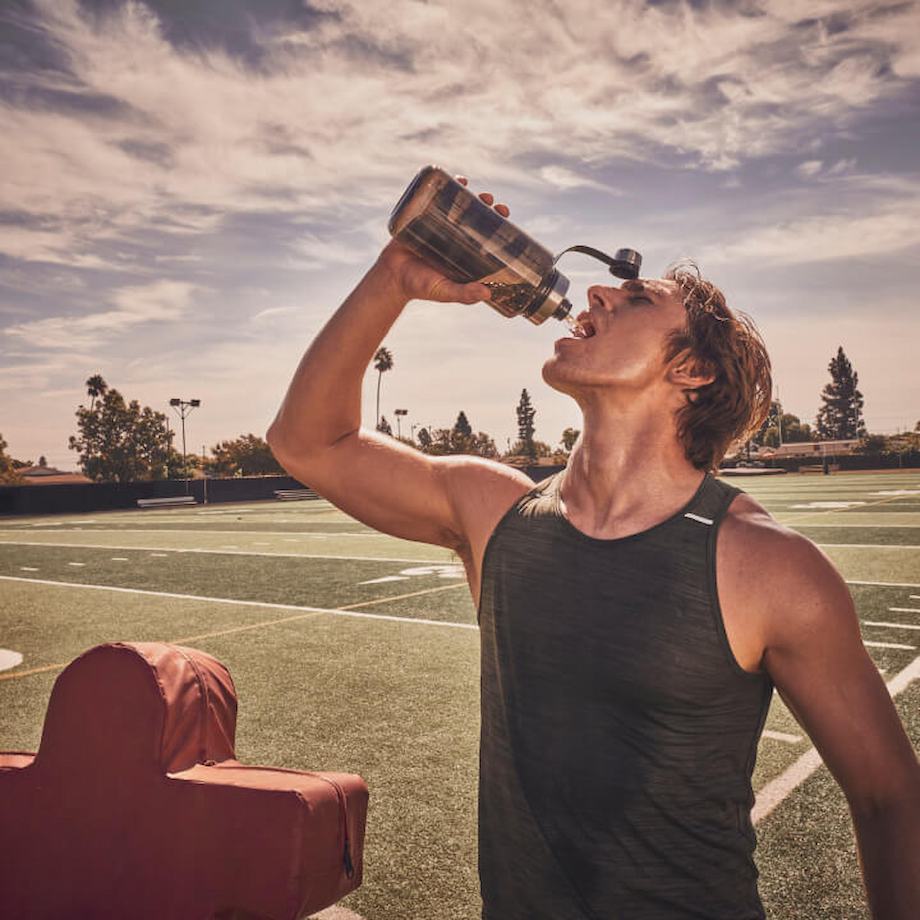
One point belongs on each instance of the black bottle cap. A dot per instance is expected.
(626, 264)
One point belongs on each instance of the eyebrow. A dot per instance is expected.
(638, 287)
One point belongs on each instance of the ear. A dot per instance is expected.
(688, 373)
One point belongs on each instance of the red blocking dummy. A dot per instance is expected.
(135, 805)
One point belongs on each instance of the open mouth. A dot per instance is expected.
(583, 328)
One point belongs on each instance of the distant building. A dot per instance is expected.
(48, 475)
(811, 449)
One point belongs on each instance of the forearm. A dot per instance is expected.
(323, 401)
(888, 841)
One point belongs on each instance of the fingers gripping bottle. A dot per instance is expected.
(455, 232)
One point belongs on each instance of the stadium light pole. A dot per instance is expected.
(399, 413)
(182, 408)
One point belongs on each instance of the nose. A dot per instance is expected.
(601, 296)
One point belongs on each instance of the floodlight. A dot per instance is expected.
(175, 402)
(195, 403)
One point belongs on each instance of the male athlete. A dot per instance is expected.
(635, 611)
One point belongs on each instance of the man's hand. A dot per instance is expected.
(414, 279)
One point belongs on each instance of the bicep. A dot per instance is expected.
(401, 491)
(821, 669)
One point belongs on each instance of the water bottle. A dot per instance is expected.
(455, 232)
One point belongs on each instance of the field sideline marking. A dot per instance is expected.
(346, 611)
(773, 793)
(226, 552)
(894, 625)
(817, 513)
(869, 545)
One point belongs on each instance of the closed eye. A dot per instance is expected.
(640, 298)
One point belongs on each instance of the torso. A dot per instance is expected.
(736, 564)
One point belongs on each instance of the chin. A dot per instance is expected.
(555, 375)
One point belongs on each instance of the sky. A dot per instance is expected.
(188, 191)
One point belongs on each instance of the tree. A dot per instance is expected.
(119, 441)
(383, 362)
(424, 439)
(451, 441)
(569, 437)
(840, 415)
(525, 416)
(8, 471)
(462, 425)
(384, 426)
(540, 449)
(791, 426)
(42, 461)
(95, 387)
(247, 455)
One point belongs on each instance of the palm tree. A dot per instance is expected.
(95, 386)
(383, 361)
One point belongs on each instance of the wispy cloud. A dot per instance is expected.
(160, 302)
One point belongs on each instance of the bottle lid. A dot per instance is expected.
(552, 301)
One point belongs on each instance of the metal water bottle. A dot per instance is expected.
(451, 229)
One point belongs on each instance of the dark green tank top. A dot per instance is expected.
(618, 733)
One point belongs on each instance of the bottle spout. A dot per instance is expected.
(563, 310)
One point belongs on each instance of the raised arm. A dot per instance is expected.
(317, 435)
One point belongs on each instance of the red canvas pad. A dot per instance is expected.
(135, 806)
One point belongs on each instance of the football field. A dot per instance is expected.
(357, 652)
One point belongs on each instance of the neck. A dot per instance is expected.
(627, 469)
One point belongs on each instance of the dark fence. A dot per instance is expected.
(107, 496)
(66, 498)
(845, 462)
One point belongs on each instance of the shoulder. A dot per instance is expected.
(481, 491)
(786, 577)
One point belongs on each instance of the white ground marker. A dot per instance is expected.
(9, 659)
(773, 793)
(77, 564)
(892, 625)
(449, 624)
(337, 913)
(887, 645)
(120, 559)
(782, 736)
(27, 568)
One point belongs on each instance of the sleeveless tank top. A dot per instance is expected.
(618, 733)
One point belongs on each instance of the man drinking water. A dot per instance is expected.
(635, 611)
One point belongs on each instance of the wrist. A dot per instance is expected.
(386, 282)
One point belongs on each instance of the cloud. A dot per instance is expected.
(336, 111)
(161, 302)
(890, 228)
(809, 168)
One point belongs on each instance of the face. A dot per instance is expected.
(630, 326)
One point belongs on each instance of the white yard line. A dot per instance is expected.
(228, 600)
(775, 791)
(892, 625)
(887, 645)
(886, 584)
(782, 736)
(232, 552)
(905, 609)
(867, 546)
(868, 526)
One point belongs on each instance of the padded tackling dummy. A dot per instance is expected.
(135, 806)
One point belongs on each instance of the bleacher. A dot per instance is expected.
(296, 495)
(166, 502)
